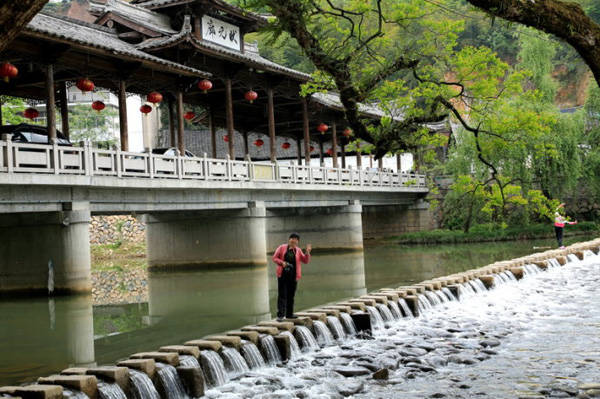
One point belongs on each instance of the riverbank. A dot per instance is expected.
(487, 233)
(119, 273)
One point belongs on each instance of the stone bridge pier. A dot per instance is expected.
(209, 238)
(46, 251)
(328, 228)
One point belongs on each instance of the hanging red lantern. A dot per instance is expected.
(189, 115)
(286, 145)
(31, 113)
(226, 139)
(8, 71)
(347, 132)
(205, 85)
(311, 148)
(98, 106)
(84, 84)
(154, 97)
(259, 143)
(251, 95)
(329, 152)
(145, 109)
(322, 127)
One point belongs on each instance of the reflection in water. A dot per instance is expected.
(189, 305)
(39, 336)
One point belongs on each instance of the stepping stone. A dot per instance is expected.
(181, 350)
(205, 344)
(163, 357)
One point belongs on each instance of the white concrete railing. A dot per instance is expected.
(88, 161)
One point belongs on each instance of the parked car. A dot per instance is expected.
(171, 152)
(32, 134)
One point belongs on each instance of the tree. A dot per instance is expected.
(566, 20)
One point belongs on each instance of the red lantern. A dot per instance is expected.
(205, 85)
(286, 145)
(8, 71)
(154, 97)
(31, 113)
(259, 143)
(347, 132)
(145, 109)
(98, 106)
(251, 95)
(226, 139)
(84, 84)
(311, 148)
(322, 128)
(189, 115)
(329, 152)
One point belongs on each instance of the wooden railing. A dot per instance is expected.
(89, 161)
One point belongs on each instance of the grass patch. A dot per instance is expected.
(488, 233)
(119, 256)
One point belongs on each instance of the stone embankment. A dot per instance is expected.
(171, 371)
(113, 229)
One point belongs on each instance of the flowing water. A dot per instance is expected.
(141, 386)
(213, 367)
(294, 346)
(306, 339)
(110, 391)
(535, 338)
(234, 361)
(349, 325)
(269, 349)
(252, 355)
(170, 381)
(41, 336)
(322, 333)
(336, 327)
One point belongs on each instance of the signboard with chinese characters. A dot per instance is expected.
(221, 33)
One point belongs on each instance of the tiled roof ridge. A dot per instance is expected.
(79, 22)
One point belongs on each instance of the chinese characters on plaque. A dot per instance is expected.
(220, 32)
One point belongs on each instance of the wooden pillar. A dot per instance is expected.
(180, 131)
(343, 148)
(172, 137)
(321, 159)
(334, 144)
(399, 162)
(370, 161)
(229, 117)
(299, 148)
(358, 156)
(123, 116)
(64, 109)
(306, 133)
(246, 147)
(1, 112)
(380, 163)
(50, 104)
(213, 133)
(271, 114)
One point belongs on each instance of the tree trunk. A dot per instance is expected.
(567, 21)
(14, 15)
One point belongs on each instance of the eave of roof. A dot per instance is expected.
(88, 35)
(186, 36)
(140, 15)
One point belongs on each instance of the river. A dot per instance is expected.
(43, 336)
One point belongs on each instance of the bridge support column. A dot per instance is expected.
(326, 228)
(221, 238)
(391, 220)
(45, 252)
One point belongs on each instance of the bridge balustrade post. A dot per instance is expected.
(55, 157)
(151, 165)
(118, 162)
(228, 167)
(8, 156)
(205, 166)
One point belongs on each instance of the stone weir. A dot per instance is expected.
(188, 369)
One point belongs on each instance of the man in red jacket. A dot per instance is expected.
(289, 258)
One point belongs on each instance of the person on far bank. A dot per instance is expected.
(289, 258)
(559, 225)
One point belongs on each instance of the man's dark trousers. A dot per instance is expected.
(286, 287)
